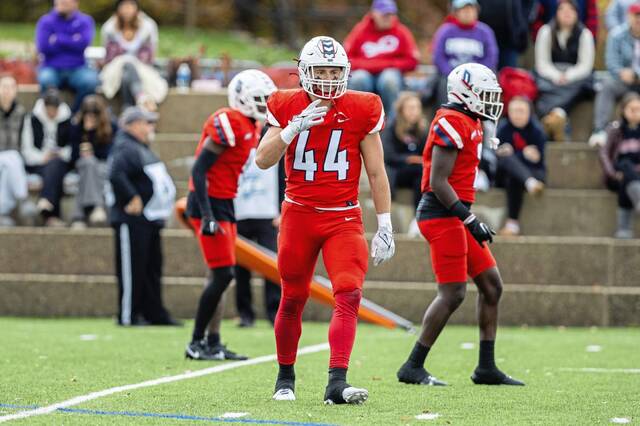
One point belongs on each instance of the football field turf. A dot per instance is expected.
(573, 376)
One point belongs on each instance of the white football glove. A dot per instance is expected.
(489, 131)
(311, 116)
(382, 246)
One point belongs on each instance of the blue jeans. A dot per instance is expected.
(387, 84)
(83, 81)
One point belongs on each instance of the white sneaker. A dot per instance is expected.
(285, 394)
(598, 138)
(98, 216)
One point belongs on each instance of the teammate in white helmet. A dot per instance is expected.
(227, 139)
(457, 239)
(326, 132)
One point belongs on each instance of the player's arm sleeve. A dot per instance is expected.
(375, 122)
(274, 117)
(448, 132)
(206, 159)
(220, 128)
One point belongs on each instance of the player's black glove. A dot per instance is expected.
(480, 231)
(209, 226)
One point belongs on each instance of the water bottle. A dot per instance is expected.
(183, 77)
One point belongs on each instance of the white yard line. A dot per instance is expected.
(163, 380)
(604, 370)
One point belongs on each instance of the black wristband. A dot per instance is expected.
(461, 211)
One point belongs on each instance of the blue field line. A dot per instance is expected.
(169, 416)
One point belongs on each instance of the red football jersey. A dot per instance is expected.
(239, 135)
(455, 129)
(323, 164)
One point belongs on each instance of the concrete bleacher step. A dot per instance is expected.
(570, 165)
(560, 212)
(179, 113)
(530, 304)
(535, 260)
(185, 112)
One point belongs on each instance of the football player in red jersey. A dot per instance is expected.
(457, 239)
(227, 139)
(326, 132)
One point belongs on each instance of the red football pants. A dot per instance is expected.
(304, 232)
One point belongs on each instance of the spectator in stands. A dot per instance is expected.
(257, 207)
(620, 159)
(46, 151)
(131, 39)
(460, 39)
(622, 58)
(521, 165)
(403, 141)
(91, 138)
(587, 12)
(617, 13)
(564, 54)
(141, 200)
(13, 178)
(509, 20)
(62, 35)
(381, 49)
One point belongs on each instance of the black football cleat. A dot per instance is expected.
(343, 393)
(221, 353)
(417, 376)
(199, 351)
(493, 376)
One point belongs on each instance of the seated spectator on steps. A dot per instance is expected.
(91, 139)
(62, 35)
(131, 39)
(521, 165)
(620, 159)
(13, 178)
(622, 58)
(403, 141)
(546, 9)
(381, 49)
(46, 151)
(564, 53)
(461, 39)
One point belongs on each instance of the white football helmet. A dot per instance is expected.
(476, 87)
(323, 51)
(248, 92)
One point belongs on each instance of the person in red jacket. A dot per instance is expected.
(381, 49)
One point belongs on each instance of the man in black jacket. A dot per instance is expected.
(141, 199)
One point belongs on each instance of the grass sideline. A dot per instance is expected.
(175, 42)
(44, 361)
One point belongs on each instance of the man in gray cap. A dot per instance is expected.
(141, 199)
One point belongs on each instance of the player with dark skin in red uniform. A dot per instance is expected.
(458, 240)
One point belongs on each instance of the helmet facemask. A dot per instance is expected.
(489, 103)
(320, 87)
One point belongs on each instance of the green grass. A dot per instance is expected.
(45, 361)
(175, 42)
